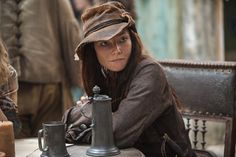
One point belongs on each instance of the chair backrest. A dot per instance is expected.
(207, 91)
(203, 153)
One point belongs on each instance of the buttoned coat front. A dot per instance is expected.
(41, 36)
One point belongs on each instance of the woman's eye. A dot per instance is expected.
(123, 39)
(103, 44)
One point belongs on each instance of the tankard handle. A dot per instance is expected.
(40, 135)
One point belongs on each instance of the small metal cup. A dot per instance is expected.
(53, 134)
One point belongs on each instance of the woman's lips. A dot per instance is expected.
(117, 60)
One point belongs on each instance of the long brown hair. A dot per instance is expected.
(4, 63)
(114, 84)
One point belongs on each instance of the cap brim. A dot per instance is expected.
(102, 34)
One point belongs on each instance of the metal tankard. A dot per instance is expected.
(53, 134)
(102, 133)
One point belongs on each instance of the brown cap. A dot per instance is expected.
(104, 22)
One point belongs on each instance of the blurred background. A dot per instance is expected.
(188, 29)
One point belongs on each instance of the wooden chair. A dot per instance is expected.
(204, 153)
(207, 91)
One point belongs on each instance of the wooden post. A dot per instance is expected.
(219, 30)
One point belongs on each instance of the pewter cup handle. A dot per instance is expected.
(40, 135)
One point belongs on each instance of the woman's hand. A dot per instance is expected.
(83, 100)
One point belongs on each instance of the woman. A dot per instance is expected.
(145, 114)
(8, 90)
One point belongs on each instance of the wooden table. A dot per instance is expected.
(29, 148)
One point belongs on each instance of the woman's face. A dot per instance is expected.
(114, 54)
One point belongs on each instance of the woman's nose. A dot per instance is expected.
(117, 49)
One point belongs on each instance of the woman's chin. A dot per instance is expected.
(116, 69)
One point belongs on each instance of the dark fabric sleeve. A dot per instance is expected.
(8, 100)
(148, 97)
(8, 108)
(77, 121)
